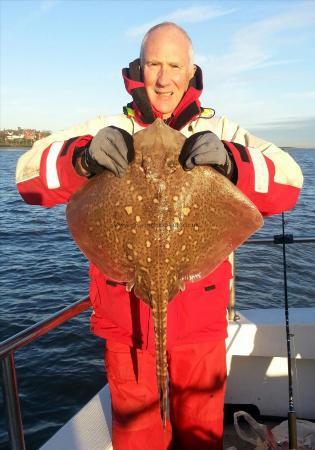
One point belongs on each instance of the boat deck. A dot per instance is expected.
(90, 428)
(257, 373)
(231, 439)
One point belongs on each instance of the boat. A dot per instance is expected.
(257, 372)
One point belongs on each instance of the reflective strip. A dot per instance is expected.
(51, 166)
(260, 170)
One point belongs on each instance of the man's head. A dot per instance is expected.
(167, 64)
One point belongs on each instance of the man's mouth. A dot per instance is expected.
(164, 94)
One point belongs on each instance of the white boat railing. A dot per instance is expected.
(9, 378)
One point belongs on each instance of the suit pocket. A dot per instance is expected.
(202, 309)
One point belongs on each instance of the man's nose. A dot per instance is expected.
(163, 78)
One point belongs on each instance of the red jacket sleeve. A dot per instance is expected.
(256, 179)
(52, 178)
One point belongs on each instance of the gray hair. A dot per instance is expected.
(168, 24)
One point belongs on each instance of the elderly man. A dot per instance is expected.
(163, 83)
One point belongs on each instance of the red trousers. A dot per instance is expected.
(197, 379)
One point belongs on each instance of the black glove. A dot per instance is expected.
(110, 149)
(205, 148)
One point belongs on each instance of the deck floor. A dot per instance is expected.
(231, 438)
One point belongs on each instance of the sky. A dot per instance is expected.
(61, 60)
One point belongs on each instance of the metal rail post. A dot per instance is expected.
(231, 308)
(7, 349)
(12, 403)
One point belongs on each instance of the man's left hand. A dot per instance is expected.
(203, 149)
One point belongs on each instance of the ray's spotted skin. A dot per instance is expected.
(159, 226)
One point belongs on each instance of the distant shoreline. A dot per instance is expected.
(296, 148)
(27, 147)
(14, 146)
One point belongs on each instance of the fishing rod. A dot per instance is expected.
(291, 412)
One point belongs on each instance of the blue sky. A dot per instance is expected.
(61, 60)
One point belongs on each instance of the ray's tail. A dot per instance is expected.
(159, 304)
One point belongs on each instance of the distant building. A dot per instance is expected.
(30, 134)
(14, 137)
(21, 136)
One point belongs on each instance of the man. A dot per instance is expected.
(165, 84)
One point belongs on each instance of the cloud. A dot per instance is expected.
(36, 13)
(237, 79)
(301, 95)
(193, 14)
(294, 17)
(288, 123)
(288, 131)
(255, 46)
(47, 5)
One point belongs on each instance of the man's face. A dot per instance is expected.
(166, 69)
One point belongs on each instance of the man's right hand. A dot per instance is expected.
(110, 149)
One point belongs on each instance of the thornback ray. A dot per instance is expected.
(159, 226)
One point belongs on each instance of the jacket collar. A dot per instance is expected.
(144, 113)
